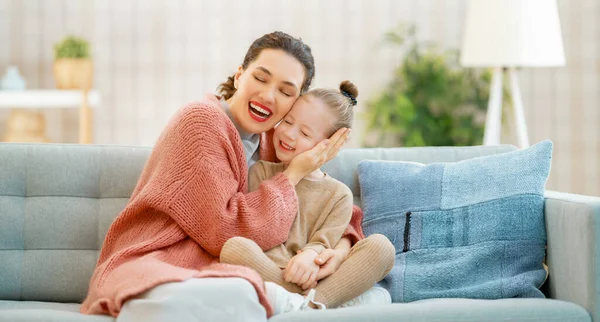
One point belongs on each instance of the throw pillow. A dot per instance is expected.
(469, 229)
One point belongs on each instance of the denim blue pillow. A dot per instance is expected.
(469, 229)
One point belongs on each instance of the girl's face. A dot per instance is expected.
(309, 122)
(266, 90)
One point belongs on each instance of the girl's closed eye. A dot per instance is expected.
(306, 135)
(287, 122)
(259, 79)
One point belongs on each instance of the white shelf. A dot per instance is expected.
(46, 98)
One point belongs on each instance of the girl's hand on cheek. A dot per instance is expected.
(311, 160)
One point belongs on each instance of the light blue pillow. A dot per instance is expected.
(470, 229)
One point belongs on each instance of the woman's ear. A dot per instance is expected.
(237, 76)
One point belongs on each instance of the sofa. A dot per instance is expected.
(57, 202)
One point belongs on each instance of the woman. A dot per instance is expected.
(159, 260)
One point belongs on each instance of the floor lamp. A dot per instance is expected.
(506, 35)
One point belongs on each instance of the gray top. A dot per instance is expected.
(249, 140)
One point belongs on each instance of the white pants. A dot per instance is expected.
(197, 299)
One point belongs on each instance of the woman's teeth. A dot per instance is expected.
(259, 111)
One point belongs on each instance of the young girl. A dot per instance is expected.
(325, 209)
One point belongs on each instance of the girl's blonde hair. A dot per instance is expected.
(341, 102)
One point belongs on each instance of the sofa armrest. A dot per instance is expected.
(573, 254)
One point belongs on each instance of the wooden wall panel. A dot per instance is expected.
(153, 56)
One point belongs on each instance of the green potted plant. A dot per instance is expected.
(430, 101)
(73, 67)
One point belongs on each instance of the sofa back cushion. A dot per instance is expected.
(344, 166)
(56, 204)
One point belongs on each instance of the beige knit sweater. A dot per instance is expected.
(324, 212)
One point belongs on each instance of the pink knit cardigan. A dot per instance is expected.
(190, 199)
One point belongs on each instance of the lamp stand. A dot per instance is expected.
(493, 121)
(522, 138)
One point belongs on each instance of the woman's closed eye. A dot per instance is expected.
(259, 79)
(286, 93)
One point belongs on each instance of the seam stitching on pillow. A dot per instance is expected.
(407, 233)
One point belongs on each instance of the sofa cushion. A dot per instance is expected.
(470, 229)
(344, 166)
(30, 311)
(56, 204)
(433, 310)
(441, 310)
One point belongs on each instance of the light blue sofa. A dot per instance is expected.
(57, 202)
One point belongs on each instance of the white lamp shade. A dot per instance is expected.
(512, 33)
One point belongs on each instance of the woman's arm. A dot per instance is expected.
(343, 247)
(354, 231)
(195, 176)
(202, 180)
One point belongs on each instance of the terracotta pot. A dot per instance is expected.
(73, 73)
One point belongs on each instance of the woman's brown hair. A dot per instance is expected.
(281, 41)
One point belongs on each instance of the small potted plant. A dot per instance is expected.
(73, 67)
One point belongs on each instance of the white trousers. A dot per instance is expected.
(197, 299)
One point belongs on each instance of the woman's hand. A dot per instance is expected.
(309, 161)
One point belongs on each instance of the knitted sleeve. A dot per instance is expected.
(201, 175)
(354, 230)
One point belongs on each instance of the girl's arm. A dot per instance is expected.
(331, 259)
(334, 224)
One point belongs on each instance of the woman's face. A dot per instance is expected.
(309, 122)
(266, 90)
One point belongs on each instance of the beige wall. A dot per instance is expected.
(153, 56)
